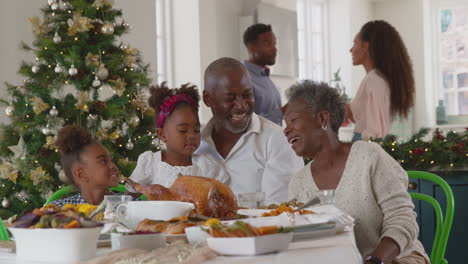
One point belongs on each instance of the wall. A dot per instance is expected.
(361, 12)
(15, 27)
(345, 18)
(408, 18)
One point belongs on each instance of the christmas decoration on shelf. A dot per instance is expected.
(78, 52)
(444, 151)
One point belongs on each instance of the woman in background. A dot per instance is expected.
(387, 90)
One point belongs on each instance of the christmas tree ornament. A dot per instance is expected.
(99, 105)
(63, 177)
(134, 121)
(18, 149)
(57, 39)
(58, 68)
(129, 145)
(53, 112)
(50, 2)
(96, 82)
(124, 128)
(92, 117)
(64, 5)
(102, 72)
(35, 68)
(9, 110)
(107, 29)
(5, 202)
(38, 105)
(123, 47)
(54, 6)
(72, 71)
(47, 130)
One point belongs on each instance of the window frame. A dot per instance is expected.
(306, 59)
(439, 92)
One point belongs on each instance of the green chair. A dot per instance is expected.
(443, 224)
(69, 190)
(3, 232)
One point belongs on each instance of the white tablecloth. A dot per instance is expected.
(337, 249)
(330, 250)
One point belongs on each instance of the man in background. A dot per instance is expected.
(261, 46)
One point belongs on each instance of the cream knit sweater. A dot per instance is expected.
(373, 190)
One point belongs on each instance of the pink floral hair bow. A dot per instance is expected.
(170, 102)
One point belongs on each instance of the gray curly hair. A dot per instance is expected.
(319, 96)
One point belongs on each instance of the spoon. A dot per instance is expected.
(99, 209)
(313, 201)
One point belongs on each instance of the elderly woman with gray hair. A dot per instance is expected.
(369, 184)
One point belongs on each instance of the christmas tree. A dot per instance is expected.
(83, 74)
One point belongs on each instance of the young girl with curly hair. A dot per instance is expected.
(178, 126)
(87, 164)
(388, 89)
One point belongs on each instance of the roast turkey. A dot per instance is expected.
(211, 198)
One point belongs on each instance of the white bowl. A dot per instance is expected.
(135, 211)
(54, 245)
(195, 234)
(141, 241)
(250, 245)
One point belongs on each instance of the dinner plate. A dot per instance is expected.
(250, 245)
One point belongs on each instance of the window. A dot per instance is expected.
(452, 71)
(312, 36)
(163, 38)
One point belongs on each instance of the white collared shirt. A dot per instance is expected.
(261, 160)
(151, 169)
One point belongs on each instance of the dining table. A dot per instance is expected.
(339, 248)
(336, 245)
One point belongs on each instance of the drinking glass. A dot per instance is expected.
(327, 197)
(112, 202)
(251, 200)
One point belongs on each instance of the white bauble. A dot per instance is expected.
(58, 68)
(54, 6)
(5, 203)
(102, 72)
(107, 29)
(53, 112)
(129, 145)
(47, 130)
(96, 82)
(63, 177)
(35, 68)
(72, 71)
(9, 110)
(134, 121)
(92, 117)
(57, 39)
